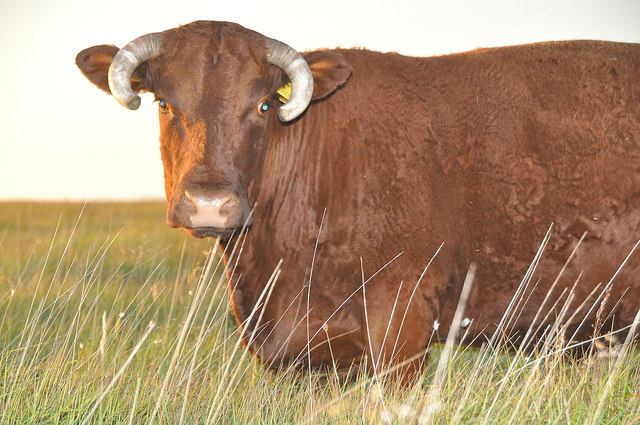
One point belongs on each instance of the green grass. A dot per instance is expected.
(108, 316)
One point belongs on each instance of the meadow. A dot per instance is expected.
(107, 316)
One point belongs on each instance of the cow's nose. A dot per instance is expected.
(213, 209)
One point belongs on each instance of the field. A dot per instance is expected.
(107, 316)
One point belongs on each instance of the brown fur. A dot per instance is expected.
(481, 151)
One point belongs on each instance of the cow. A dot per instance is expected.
(376, 179)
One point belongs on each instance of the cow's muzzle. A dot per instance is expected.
(211, 213)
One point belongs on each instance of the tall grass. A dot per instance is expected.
(109, 317)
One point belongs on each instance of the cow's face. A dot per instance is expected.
(216, 102)
(215, 85)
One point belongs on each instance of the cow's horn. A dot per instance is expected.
(298, 71)
(126, 61)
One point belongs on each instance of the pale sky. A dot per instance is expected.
(61, 138)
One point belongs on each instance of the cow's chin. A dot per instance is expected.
(212, 232)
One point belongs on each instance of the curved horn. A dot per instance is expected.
(126, 61)
(298, 71)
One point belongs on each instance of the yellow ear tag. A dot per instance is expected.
(284, 92)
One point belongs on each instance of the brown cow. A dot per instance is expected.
(378, 159)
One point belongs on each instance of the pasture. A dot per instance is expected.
(107, 316)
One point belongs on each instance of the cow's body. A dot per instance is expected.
(478, 152)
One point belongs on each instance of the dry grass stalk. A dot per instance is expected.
(120, 372)
(431, 402)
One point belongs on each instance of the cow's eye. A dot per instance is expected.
(163, 106)
(264, 107)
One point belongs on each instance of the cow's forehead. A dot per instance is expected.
(213, 41)
(205, 64)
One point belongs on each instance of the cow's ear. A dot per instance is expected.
(94, 64)
(330, 71)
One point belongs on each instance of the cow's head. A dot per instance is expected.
(215, 85)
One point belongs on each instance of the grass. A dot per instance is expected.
(109, 317)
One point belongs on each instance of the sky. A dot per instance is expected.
(63, 139)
